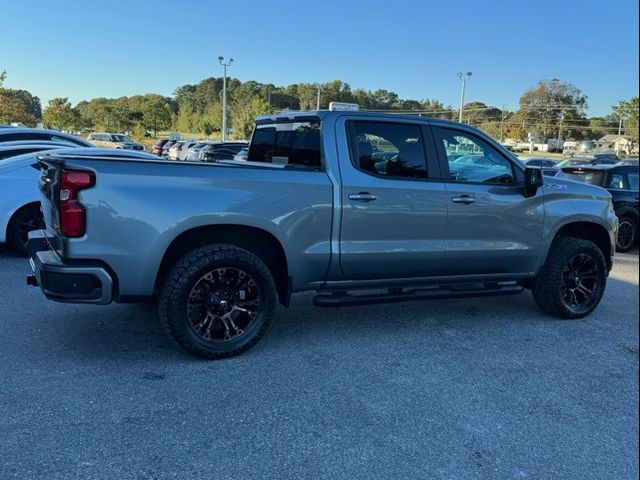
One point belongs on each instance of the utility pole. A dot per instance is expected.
(318, 99)
(224, 96)
(502, 123)
(560, 130)
(464, 79)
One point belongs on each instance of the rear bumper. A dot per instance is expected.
(65, 282)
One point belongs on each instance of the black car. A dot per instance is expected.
(215, 152)
(622, 182)
(547, 165)
(606, 158)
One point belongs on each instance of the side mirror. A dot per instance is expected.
(533, 179)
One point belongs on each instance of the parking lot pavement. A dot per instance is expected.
(480, 388)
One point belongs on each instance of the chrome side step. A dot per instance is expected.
(346, 299)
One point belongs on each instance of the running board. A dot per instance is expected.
(345, 299)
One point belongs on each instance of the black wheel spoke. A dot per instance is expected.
(579, 282)
(223, 304)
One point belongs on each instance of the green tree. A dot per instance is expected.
(551, 103)
(156, 113)
(60, 114)
(628, 111)
(18, 105)
(243, 115)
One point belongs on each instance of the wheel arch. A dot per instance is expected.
(258, 241)
(591, 231)
(12, 216)
(628, 211)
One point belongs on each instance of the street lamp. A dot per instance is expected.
(224, 97)
(464, 79)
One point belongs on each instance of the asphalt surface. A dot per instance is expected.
(480, 388)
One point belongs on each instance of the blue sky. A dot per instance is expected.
(113, 48)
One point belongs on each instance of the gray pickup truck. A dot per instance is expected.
(361, 207)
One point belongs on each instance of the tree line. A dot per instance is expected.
(549, 109)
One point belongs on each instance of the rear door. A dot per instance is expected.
(492, 228)
(393, 204)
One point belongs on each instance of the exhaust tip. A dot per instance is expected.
(32, 281)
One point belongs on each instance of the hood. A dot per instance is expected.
(573, 187)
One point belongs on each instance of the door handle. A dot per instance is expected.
(466, 199)
(362, 197)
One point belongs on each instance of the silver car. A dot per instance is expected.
(178, 151)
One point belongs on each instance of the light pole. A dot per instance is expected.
(224, 97)
(464, 79)
(318, 99)
(619, 135)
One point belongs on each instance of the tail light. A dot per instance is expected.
(73, 216)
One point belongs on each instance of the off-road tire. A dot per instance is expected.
(547, 288)
(183, 276)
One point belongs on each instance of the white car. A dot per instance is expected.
(20, 198)
(243, 154)
(179, 150)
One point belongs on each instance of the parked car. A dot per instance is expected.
(193, 154)
(242, 155)
(166, 147)
(20, 134)
(547, 165)
(156, 149)
(217, 151)
(300, 217)
(114, 140)
(13, 149)
(628, 161)
(622, 183)
(19, 198)
(576, 162)
(179, 150)
(605, 158)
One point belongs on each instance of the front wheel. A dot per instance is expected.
(572, 280)
(627, 234)
(217, 301)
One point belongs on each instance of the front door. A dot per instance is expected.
(393, 210)
(492, 228)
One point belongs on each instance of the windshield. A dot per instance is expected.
(575, 162)
(120, 138)
(592, 178)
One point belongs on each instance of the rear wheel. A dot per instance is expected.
(627, 234)
(573, 279)
(217, 301)
(24, 221)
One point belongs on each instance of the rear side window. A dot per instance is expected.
(633, 181)
(294, 143)
(388, 149)
(616, 181)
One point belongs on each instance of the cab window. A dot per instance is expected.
(472, 160)
(291, 143)
(393, 150)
